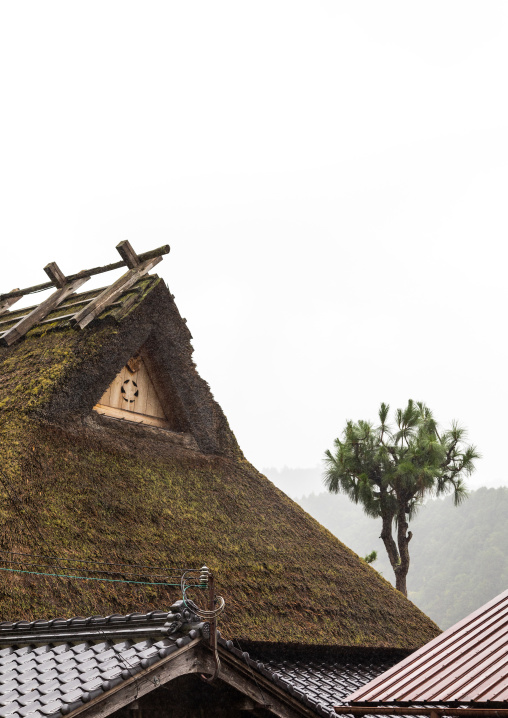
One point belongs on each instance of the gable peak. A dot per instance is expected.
(133, 396)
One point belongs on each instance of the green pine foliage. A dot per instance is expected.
(459, 561)
(390, 469)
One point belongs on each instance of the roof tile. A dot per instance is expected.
(53, 680)
(69, 676)
(30, 708)
(61, 648)
(48, 676)
(318, 683)
(93, 683)
(51, 708)
(9, 697)
(70, 686)
(9, 709)
(46, 698)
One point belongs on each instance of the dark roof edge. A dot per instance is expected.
(330, 649)
(116, 626)
(226, 647)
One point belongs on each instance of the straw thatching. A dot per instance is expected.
(92, 487)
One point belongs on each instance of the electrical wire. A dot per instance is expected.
(184, 584)
(31, 525)
(206, 615)
(26, 564)
(95, 578)
(28, 524)
(179, 569)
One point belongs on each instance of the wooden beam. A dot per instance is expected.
(55, 274)
(40, 312)
(159, 252)
(180, 663)
(132, 416)
(241, 676)
(193, 658)
(105, 298)
(7, 303)
(128, 254)
(9, 319)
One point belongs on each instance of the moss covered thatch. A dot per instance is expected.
(95, 488)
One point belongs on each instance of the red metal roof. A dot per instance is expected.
(467, 663)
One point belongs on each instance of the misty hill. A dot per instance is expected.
(459, 557)
(296, 482)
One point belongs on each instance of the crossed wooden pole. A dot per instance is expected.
(137, 264)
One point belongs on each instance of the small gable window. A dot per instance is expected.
(132, 396)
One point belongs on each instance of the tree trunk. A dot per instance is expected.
(403, 538)
(387, 537)
(398, 553)
(400, 581)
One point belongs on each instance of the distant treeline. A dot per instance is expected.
(459, 555)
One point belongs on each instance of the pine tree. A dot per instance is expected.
(390, 471)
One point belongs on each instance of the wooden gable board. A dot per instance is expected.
(132, 396)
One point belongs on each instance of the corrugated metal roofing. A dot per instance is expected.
(468, 663)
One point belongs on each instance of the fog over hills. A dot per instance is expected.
(296, 482)
(458, 554)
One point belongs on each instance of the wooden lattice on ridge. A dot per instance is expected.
(84, 310)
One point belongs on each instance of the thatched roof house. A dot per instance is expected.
(113, 449)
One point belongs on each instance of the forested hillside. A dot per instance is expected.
(459, 556)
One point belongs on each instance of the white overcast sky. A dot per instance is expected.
(332, 178)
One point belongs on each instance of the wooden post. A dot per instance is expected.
(211, 606)
(55, 274)
(128, 255)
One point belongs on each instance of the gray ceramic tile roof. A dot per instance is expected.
(318, 683)
(51, 668)
(84, 659)
(133, 623)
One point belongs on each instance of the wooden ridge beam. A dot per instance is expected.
(40, 312)
(108, 296)
(86, 273)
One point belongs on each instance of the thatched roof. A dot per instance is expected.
(95, 487)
